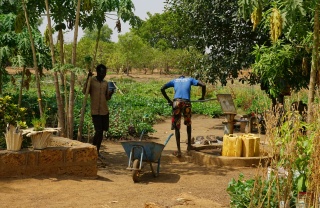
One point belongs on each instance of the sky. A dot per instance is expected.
(141, 9)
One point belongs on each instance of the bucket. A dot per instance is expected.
(232, 146)
(111, 86)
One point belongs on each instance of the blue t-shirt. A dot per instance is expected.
(182, 86)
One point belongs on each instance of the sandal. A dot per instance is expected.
(177, 154)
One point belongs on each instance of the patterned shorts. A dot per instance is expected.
(180, 107)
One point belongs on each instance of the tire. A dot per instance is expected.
(136, 172)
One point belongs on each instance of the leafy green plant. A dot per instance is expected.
(22, 124)
(257, 192)
(39, 123)
(10, 113)
(291, 134)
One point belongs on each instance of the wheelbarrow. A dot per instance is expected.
(143, 151)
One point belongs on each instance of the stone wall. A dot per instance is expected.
(62, 156)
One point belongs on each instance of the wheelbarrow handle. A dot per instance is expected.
(169, 137)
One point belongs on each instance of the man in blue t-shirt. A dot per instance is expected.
(181, 105)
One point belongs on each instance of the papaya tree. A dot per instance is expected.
(49, 39)
(24, 40)
(293, 27)
(7, 43)
(98, 11)
(35, 62)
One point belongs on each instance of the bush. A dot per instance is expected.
(257, 192)
(10, 113)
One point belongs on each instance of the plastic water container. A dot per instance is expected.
(256, 144)
(248, 146)
(232, 145)
(111, 86)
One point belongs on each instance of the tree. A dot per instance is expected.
(277, 68)
(290, 24)
(61, 118)
(124, 12)
(214, 27)
(25, 41)
(145, 60)
(116, 59)
(7, 43)
(190, 61)
(71, 15)
(130, 46)
(161, 28)
(105, 34)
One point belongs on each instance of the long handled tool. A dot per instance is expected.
(205, 100)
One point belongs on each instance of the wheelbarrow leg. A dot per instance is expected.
(158, 167)
(156, 174)
(158, 163)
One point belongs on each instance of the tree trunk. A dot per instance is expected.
(314, 64)
(35, 63)
(73, 76)
(84, 103)
(127, 69)
(64, 87)
(1, 74)
(21, 85)
(60, 106)
(66, 102)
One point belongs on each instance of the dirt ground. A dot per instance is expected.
(179, 184)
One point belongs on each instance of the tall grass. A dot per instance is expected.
(294, 165)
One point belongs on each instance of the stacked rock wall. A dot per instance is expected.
(62, 156)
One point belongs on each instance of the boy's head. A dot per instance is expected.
(101, 72)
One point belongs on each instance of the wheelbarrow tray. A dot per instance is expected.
(152, 150)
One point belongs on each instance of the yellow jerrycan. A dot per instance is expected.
(232, 145)
(248, 144)
(253, 149)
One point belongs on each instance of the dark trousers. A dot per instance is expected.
(100, 123)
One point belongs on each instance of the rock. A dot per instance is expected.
(151, 205)
(212, 138)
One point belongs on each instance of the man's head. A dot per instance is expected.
(101, 72)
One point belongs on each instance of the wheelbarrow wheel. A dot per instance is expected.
(136, 171)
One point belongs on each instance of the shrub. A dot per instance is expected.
(9, 113)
